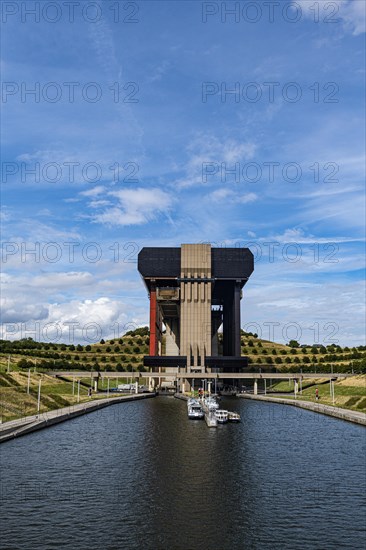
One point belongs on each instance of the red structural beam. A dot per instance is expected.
(153, 348)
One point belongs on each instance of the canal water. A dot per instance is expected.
(140, 475)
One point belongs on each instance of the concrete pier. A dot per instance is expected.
(210, 417)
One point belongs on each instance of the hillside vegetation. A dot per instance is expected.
(125, 354)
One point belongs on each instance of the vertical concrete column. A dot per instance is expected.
(296, 387)
(195, 303)
(255, 386)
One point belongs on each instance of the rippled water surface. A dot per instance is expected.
(141, 475)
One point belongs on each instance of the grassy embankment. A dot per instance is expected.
(15, 402)
(125, 354)
(349, 393)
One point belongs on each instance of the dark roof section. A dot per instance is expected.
(164, 263)
(232, 262)
(159, 262)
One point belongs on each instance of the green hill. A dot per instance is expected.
(125, 354)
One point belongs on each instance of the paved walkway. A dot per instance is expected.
(336, 412)
(27, 424)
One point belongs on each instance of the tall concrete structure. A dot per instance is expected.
(194, 290)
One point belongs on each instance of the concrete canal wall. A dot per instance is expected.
(28, 424)
(336, 412)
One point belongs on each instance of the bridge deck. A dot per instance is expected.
(200, 375)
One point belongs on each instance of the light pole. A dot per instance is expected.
(39, 395)
(78, 391)
(301, 382)
(28, 383)
(331, 380)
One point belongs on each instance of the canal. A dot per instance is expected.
(140, 475)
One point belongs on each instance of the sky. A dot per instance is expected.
(156, 123)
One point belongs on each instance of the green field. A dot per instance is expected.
(349, 393)
(125, 354)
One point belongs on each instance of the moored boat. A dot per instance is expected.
(221, 416)
(211, 403)
(195, 411)
(233, 417)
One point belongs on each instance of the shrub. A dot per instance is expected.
(294, 344)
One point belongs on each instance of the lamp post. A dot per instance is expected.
(331, 380)
(39, 396)
(301, 382)
(28, 382)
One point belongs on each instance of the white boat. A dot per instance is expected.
(211, 404)
(195, 411)
(221, 416)
(233, 417)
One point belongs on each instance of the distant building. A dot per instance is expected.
(193, 291)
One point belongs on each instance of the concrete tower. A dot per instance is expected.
(194, 290)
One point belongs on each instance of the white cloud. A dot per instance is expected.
(94, 192)
(228, 195)
(350, 12)
(98, 203)
(207, 148)
(135, 206)
(321, 312)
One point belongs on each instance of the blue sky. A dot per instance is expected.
(133, 142)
